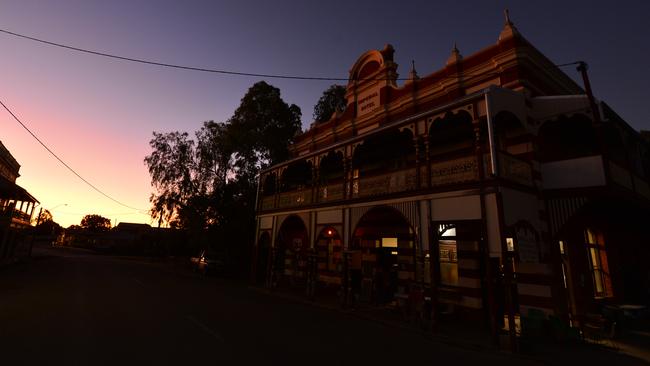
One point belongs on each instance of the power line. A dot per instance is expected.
(103, 214)
(64, 163)
(214, 71)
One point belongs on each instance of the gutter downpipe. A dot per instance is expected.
(257, 230)
(505, 262)
(490, 127)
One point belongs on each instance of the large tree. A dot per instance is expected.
(209, 181)
(45, 225)
(95, 223)
(262, 127)
(332, 100)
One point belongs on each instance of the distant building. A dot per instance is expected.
(493, 183)
(16, 209)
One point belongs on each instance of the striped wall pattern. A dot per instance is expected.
(468, 293)
(535, 281)
(562, 209)
(534, 287)
(409, 210)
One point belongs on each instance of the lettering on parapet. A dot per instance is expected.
(368, 103)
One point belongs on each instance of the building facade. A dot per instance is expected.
(16, 210)
(493, 187)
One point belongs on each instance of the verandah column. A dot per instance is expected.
(416, 145)
(485, 268)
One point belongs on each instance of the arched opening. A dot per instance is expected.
(292, 246)
(511, 136)
(384, 163)
(451, 136)
(262, 260)
(388, 151)
(567, 138)
(385, 242)
(269, 187)
(329, 247)
(296, 177)
(331, 177)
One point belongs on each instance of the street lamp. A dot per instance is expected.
(57, 206)
(38, 219)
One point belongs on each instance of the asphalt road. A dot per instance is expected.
(70, 307)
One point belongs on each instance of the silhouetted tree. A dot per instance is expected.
(45, 224)
(261, 128)
(209, 183)
(192, 176)
(172, 168)
(44, 216)
(95, 223)
(332, 100)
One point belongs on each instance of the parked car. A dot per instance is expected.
(209, 261)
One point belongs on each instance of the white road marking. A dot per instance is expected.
(205, 328)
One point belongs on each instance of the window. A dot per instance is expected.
(598, 263)
(448, 255)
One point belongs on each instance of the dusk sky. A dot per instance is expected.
(98, 114)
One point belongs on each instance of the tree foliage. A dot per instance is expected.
(332, 100)
(95, 223)
(44, 216)
(209, 182)
(45, 224)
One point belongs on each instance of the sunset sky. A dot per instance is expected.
(98, 114)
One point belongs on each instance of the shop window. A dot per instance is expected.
(598, 263)
(448, 255)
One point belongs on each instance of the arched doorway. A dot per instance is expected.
(329, 248)
(451, 136)
(292, 246)
(386, 244)
(262, 260)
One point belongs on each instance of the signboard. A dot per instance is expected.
(527, 244)
(367, 102)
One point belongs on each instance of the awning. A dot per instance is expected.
(12, 191)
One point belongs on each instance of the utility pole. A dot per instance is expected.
(582, 68)
(38, 219)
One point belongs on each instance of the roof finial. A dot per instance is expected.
(455, 55)
(509, 29)
(413, 75)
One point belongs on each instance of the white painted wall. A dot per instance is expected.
(574, 173)
(456, 208)
(330, 217)
(493, 231)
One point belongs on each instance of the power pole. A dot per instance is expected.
(582, 68)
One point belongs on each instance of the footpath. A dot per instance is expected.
(629, 349)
